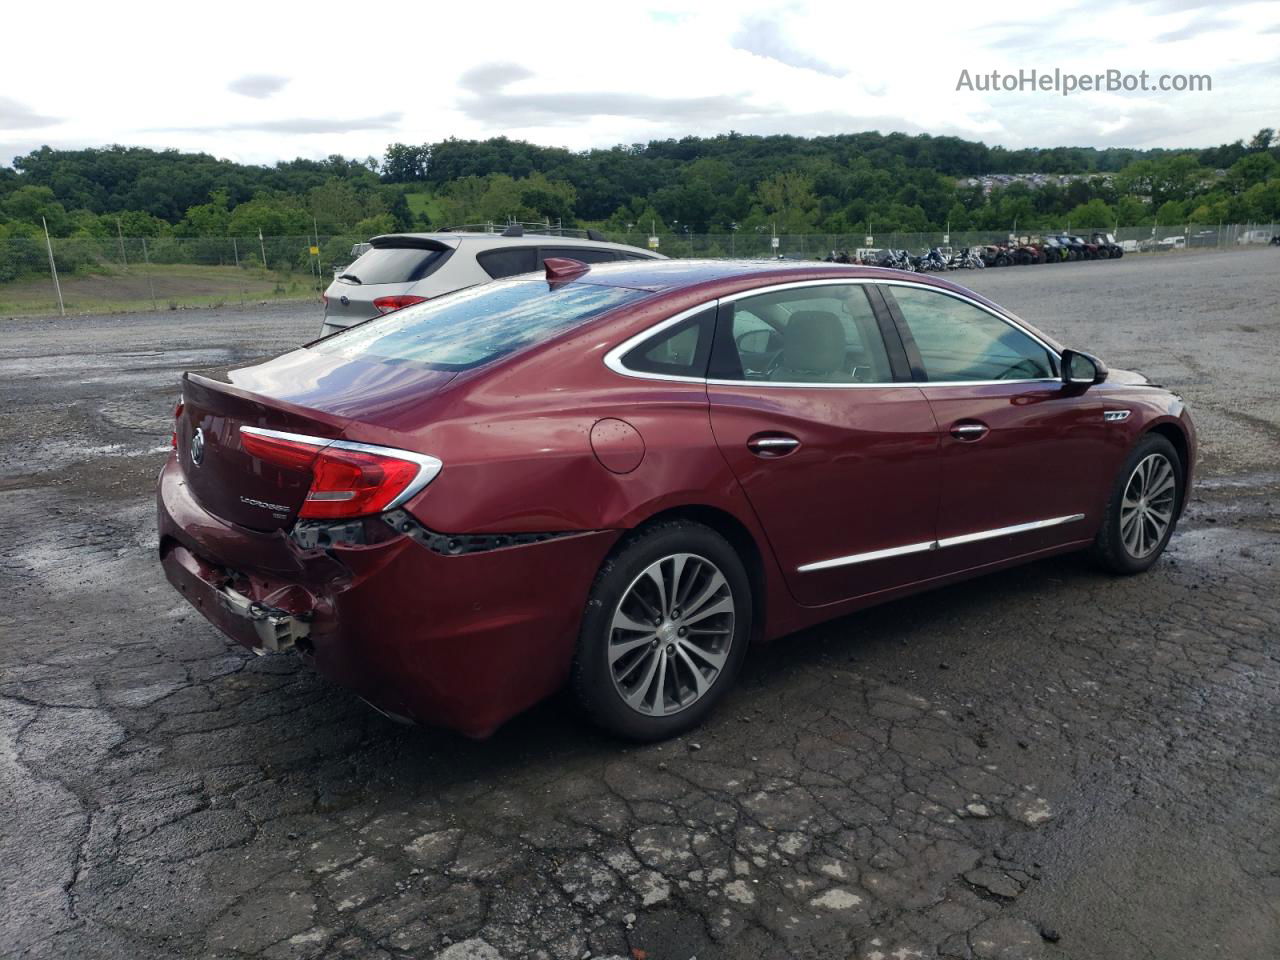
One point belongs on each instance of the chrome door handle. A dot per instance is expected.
(969, 431)
(772, 445)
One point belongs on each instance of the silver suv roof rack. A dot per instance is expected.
(518, 228)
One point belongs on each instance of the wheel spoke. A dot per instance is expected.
(631, 669)
(1158, 523)
(723, 605)
(653, 612)
(712, 587)
(1129, 532)
(636, 698)
(623, 621)
(700, 685)
(677, 570)
(1162, 481)
(656, 576)
(711, 659)
(617, 650)
(660, 688)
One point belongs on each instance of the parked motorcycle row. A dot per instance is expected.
(1054, 248)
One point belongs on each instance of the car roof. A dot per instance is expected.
(715, 278)
(663, 275)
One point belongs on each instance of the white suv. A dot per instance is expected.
(401, 269)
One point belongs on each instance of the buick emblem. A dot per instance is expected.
(197, 447)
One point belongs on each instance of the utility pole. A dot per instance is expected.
(235, 252)
(120, 233)
(146, 258)
(315, 228)
(53, 268)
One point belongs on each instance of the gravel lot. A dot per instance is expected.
(1043, 763)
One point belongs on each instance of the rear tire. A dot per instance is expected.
(1142, 511)
(664, 633)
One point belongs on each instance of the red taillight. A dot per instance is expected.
(352, 483)
(390, 304)
(177, 415)
(290, 454)
(347, 480)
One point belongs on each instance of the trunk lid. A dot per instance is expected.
(304, 393)
(223, 477)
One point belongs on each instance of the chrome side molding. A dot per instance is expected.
(1115, 416)
(873, 555)
(938, 544)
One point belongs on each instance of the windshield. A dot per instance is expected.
(477, 325)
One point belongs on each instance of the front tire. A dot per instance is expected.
(664, 633)
(1143, 509)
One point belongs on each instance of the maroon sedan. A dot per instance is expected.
(618, 477)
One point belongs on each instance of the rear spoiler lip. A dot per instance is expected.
(337, 424)
(408, 240)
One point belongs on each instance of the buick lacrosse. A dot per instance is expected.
(619, 476)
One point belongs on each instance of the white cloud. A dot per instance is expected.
(18, 116)
(259, 83)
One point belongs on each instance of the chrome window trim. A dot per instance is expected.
(613, 359)
(428, 467)
(938, 544)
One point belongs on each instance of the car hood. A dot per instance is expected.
(367, 389)
(1130, 377)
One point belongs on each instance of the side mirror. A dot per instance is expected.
(1082, 369)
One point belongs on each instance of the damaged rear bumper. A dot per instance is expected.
(259, 625)
(464, 640)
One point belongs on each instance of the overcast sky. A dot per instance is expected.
(259, 82)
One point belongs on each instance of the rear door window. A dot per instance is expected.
(679, 351)
(393, 265)
(508, 261)
(825, 333)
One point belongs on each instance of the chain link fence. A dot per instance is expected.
(1146, 239)
(113, 274)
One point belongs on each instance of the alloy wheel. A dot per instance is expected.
(670, 634)
(1146, 509)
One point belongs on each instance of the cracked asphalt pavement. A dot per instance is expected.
(1047, 762)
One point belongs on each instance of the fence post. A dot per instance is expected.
(124, 258)
(235, 252)
(53, 268)
(146, 258)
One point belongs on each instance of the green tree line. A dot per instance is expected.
(836, 184)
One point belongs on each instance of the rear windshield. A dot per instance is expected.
(477, 325)
(392, 265)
